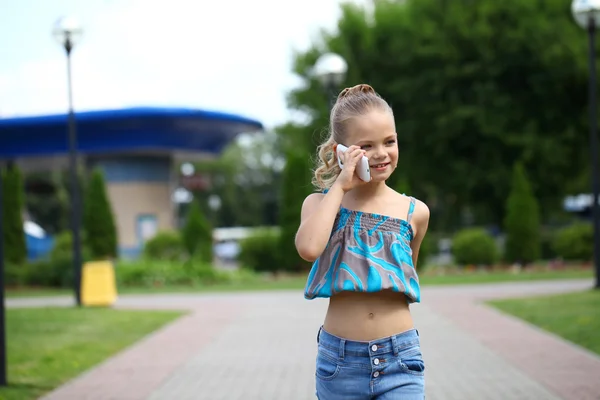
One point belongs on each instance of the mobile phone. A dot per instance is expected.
(362, 167)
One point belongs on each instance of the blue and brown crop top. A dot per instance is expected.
(366, 252)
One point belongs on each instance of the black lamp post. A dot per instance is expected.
(2, 319)
(67, 33)
(587, 15)
(330, 69)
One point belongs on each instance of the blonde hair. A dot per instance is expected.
(351, 102)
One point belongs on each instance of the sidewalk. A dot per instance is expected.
(262, 346)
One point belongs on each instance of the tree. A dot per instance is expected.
(15, 248)
(522, 222)
(475, 86)
(98, 219)
(296, 186)
(197, 234)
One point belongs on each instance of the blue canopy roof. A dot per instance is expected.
(123, 130)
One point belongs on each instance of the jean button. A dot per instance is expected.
(374, 347)
(376, 374)
(376, 361)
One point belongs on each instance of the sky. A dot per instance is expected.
(233, 56)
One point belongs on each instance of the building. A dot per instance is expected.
(138, 149)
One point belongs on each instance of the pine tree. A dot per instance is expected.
(522, 221)
(15, 248)
(296, 186)
(98, 219)
(197, 234)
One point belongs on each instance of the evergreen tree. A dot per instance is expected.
(197, 234)
(296, 186)
(15, 248)
(98, 219)
(522, 220)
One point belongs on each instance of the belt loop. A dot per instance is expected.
(394, 345)
(319, 334)
(342, 347)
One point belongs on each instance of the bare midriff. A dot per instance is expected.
(361, 316)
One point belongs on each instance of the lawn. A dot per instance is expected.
(297, 282)
(573, 316)
(48, 346)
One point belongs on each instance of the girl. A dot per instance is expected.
(364, 240)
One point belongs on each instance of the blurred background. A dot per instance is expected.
(197, 126)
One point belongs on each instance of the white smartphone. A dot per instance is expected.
(362, 167)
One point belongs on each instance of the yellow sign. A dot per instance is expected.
(98, 284)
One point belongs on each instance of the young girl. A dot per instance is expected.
(364, 240)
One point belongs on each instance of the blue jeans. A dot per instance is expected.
(382, 369)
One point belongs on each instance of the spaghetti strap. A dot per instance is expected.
(411, 208)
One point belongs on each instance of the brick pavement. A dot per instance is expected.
(262, 346)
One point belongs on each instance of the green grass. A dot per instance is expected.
(502, 276)
(573, 316)
(48, 346)
(297, 282)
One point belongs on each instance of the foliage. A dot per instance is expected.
(197, 235)
(155, 273)
(575, 242)
(15, 250)
(261, 251)
(165, 246)
(522, 222)
(474, 246)
(296, 187)
(483, 84)
(98, 219)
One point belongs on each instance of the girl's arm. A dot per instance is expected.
(318, 215)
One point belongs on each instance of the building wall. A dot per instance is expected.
(139, 189)
(141, 209)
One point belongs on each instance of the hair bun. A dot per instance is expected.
(354, 90)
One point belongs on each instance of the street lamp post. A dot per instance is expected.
(330, 69)
(587, 15)
(2, 317)
(67, 33)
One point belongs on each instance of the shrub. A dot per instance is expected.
(165, 246)
(474, 246)
(522, 221)
(296, 186)
(197, 235)
(155, 273)
(575, 242)
(261, 251)
(98, 219)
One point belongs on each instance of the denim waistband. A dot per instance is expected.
(391, 344)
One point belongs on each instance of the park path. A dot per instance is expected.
(262, 346)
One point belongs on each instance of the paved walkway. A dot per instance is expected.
(262, 346)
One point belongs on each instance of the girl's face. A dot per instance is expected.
(375, 132)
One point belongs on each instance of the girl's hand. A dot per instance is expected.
(348, 179)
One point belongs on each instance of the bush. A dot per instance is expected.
(428, 246)
(575, 243)
(98, 219)
(165, 246)
(522, 222)
(153, 273)
(57, 269)
(197, 235)
(261, 251)
(474, 246)
(296, 186)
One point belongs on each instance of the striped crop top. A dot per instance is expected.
(366, 252)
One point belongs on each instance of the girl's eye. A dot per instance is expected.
(391, 142)
(365, 146)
